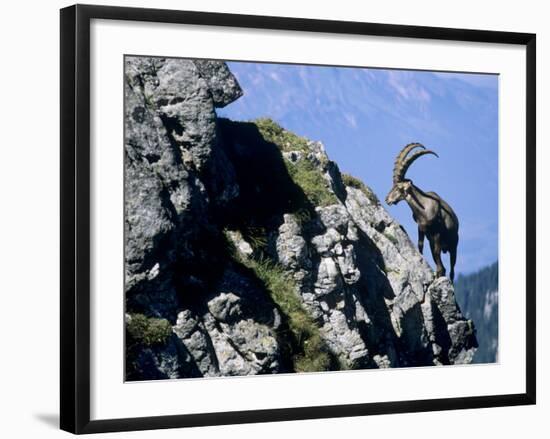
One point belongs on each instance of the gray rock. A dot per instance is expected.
(170, 360)
(292, 251)
(242, 246)
(222, 85)
(191, 331)
(225, 307)
(170, 136)
(237, 335)
(245, 348)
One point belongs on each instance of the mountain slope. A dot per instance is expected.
(478, 295)
(247, 252)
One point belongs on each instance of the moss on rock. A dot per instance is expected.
(285, 140)
(354, 182)
(310, 178)
(147, 330)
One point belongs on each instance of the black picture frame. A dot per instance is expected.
(75, 217)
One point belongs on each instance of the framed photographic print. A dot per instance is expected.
(273, 218)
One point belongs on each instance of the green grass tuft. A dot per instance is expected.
(303, 172)
(310, 178)
(354, 182)
(312, 354)
(256, 237)
(148, 331)
(285, 140)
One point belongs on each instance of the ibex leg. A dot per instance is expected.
(420, 241)
(435, 246)
(453, 262)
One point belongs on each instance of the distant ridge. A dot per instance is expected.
(477, 295)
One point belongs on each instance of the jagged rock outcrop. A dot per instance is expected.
(217, 211)
(171, 135)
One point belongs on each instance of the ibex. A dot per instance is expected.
(435, 218)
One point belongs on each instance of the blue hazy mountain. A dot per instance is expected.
(365, 116)
(477, 295)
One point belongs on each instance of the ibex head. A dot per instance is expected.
(402, 186)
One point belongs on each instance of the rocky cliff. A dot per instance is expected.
(248, 252)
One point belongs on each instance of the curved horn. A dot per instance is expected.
(397, 168)
(409, 161)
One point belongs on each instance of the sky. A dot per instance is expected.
(365, 116)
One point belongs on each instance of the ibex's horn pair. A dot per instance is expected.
(402, 162)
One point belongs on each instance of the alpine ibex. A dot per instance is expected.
(435, 218)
